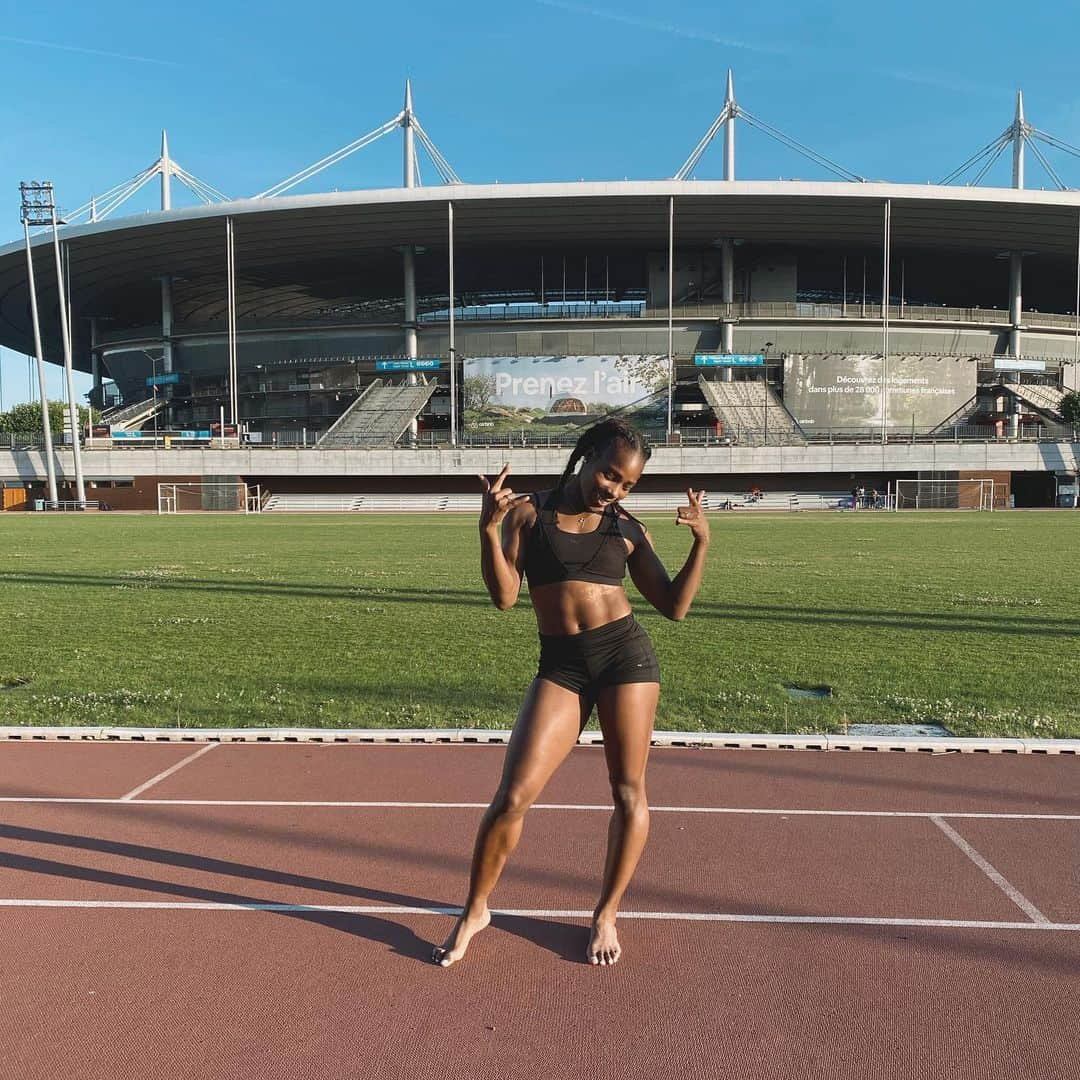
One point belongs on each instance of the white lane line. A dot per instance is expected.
(168, 772)
(604, 807)
(1014, 894)
(540, 913)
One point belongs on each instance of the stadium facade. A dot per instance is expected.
(791, 335)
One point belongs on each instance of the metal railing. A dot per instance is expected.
(854, 310)
(698, 437)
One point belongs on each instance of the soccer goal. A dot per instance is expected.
(976, 494)
(228, 496)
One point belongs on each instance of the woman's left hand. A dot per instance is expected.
(694, 516)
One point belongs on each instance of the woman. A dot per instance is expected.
(573, 545)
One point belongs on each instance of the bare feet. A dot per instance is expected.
(604, 945)
(454, 947)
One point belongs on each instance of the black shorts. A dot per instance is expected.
(617, 652)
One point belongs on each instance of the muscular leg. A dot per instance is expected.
(547, 727)
(626, 715)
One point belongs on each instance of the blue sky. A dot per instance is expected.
(525, 91)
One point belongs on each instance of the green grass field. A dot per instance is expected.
(970, 620)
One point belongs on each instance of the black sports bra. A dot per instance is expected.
(552, 554)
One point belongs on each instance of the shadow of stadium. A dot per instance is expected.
(820, 770)
(976, 623)
(566, 939)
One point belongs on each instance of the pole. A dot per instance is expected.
(885, 323)
(843, 302)
(670, 310)
(765, 404)
(230, 283)
(1076, 337)
(50, 468)
(452, 349)
(65, 335)
(729, 128)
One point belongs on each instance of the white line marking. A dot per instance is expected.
(540, 913)
(168, 772)
(1014, 894)
(605, 807)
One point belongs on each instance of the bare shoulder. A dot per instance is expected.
(633, 530)
(524, 513)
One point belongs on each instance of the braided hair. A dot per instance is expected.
(598, 438)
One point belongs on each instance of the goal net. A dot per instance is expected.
(232, 496)
(975, 494)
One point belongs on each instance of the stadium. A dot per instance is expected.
(243, 756)
(794, 337)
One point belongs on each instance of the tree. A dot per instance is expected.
(1070, 407)
(478, 391)
(25, 419)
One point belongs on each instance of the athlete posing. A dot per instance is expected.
(573, 545)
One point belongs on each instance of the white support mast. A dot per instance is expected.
(1016, 258)
(165, 165)
(727, 246)
(409, 252)
(1019, 134)
(729, 128)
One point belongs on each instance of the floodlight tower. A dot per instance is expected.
(33, 213)
(62, 296)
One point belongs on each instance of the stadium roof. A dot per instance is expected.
(110, 258)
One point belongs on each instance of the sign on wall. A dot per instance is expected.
(554, 393)
(844, 392)
(729, 360)
(423, 363)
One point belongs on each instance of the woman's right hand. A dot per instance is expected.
(498, 501)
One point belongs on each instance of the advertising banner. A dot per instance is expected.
(557, 393)
(844, 393)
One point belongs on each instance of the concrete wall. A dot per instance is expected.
(674, 463)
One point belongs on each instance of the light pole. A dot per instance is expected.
(154, 361)
(63, 297)
(33, 214)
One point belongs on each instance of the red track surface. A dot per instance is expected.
(206, 991)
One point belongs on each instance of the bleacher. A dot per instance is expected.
(378, 417)
(751, 412)
(466, 502)
(1046, 399)
(131, 417)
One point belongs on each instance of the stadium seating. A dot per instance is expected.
(378, 417)
(131, 417)
(1045, 398)
(750, 412)
(465, 502)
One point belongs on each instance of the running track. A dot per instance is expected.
(267, 911)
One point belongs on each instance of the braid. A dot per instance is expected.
(598, 437)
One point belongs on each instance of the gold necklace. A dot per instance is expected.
(582, 518)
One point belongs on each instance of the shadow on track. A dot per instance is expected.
(400, 938)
